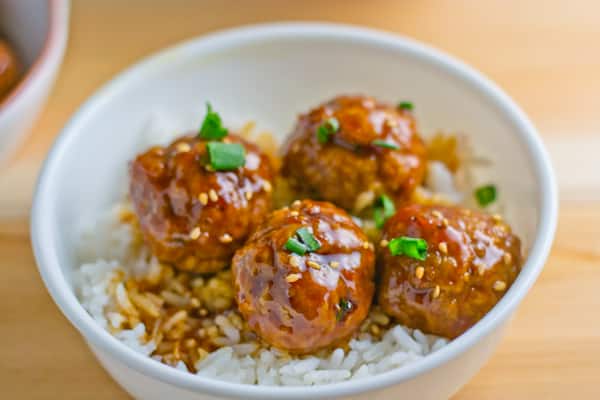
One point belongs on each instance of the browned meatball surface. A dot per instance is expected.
(190, 216)
(302, 303)
(9, 70)
(472, 259)
(356, 158)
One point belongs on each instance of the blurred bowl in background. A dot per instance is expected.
(37, 31)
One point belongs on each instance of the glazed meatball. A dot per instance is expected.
(368, 147)
(471, 260)
(304, 302)
(9, 70)
(194, 217)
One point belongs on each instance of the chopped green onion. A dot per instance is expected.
(308, 239)
(485, 195)
(405, 105)
(295, 246)
(388, 206)
(212, 128)
(327, 129)
(343, 308)
(387, 145)
(226, 156)
(378, 217)
(302, 242)
(410, 247)
(384, 210)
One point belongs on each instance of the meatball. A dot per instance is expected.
(304, 302)
(192, 216)
(9, 70)
(472, 259)
(368, 147)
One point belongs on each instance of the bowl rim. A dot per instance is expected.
(45, 196)
(55, 35)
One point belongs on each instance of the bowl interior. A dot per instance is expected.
(269, 76)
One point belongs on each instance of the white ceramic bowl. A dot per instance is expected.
(38, 32)
(268, 74)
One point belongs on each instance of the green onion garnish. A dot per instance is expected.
(384, 210)
(378, 217)
(343, 308)
(485, 195)
(212, 128)
(295, 246)
(405, 105)
(410, 247)
(387, 145)
(226, 156)
(327, 129)
(302, 242)
(308, 239)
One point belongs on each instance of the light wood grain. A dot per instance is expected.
(546, 54)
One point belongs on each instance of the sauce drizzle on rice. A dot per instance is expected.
(190, 321)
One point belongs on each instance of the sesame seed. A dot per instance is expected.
(294, 213)
(190, 343)
(443, 247)
(437, 214)
(203, 198)
(507, 257)
(375, 330)
(499, 286)
(366, 245)
(194, 302)
(436, 292)
(365, 325)
(480, 267)
(212, 194)
(497, 217)
(212, 331)
(293, 277)
(334, 264)
(195, 233)
(226, 238)
(466, 276)
(294, 261)
(203, 312)
(183, 147)
(267, 186)
(384, 243)
(419, 272)
(248, 196)
(313, 264)
(296, 204)
(209, 168)
(380, 318)
(445, 222)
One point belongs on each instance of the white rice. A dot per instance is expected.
(236, 361)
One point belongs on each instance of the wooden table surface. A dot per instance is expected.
(546, 54)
